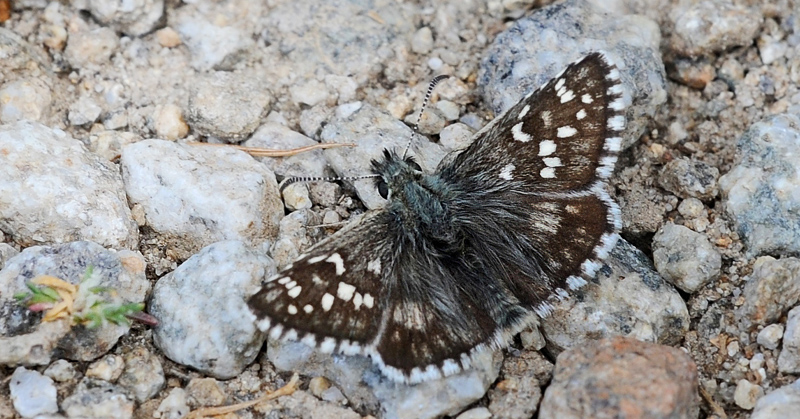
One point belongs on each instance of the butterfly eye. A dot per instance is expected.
(383, 189)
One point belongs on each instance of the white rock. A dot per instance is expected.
(449, 110)
(84, 111)
(296, 197)
(309, 93)
(173, 406)
(27, 99)
(55, 191)
(194, 196)
(132, 17)
(211, 45)
(770, 336)
(91, 47)
(107, 368)
(422, 41)
(221, 341)
(456, 136)
(60, 370)
(789, 359)
(32, 393)
(779, 404)
(747, 394)
(168, 122)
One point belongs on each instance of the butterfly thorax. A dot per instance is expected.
(416, 201)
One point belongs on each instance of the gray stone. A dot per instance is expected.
(689, 179)
(122, 272)
(143, 376)
(779, 404)
(685, 258)
(32, 393)
(98, 399)
(476, 413)
(422, 41)
(704, 27)
(539, 46)
(757, 189)
(7, 252)
(108, 144)
(24, 99)
(629, 299)
(301, 404)
(194, 196)
(373, 131)
(227, 105)
(366, 388)
(789, 359)
(769, 291)
(309, 93)
(77, 195)
(203, 325)
(135, 18)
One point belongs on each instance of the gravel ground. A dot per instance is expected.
(694, 314)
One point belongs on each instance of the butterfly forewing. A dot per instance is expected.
(562, 137)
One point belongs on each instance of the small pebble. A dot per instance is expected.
(60, 370)
(169, 124)
(107, 368)
(422, 41)
(318, 385)
(295, 196)
(168, 37)
(173, 406)
(449, 110)
(747, 394)
(770, 336)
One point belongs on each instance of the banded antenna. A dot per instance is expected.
(425, 101)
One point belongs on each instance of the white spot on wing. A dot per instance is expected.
(524, 111)
(316, 259)
(567, 131)
(586, 98)
(613, 75)
(547, 118)
(547, 147)
(327, 302)
(617, 123)
(327, 346)
(308, 308)
(506, 173)
(613, 144)
(552, 161)
(336, 260)
(358, 300)
(569, 95)
(516, 130)
(345, 291)
(368, 301)
(559, 83)
(285, 280)
(374, 266)
(294, 292)
(618, 104)
(581, 114)
(575, 282)
(548, 173)
(291, 309)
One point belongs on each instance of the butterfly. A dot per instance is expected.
(462, 259)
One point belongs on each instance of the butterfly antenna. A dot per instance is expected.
(425, 101)
(295, 179)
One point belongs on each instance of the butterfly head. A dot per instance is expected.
(395, 172)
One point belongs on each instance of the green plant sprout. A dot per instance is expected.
(88, 303)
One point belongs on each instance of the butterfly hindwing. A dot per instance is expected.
(332, 296)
